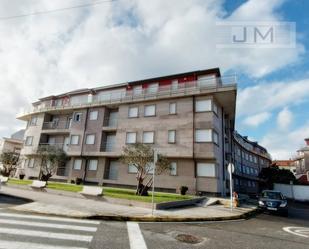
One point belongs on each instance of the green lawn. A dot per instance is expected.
(110, 192)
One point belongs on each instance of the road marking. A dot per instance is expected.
(48, 218)
(135, 236)
(18, 245)
(299, 231)
(63, 236)
(49, 225)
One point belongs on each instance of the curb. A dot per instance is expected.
(13, 196)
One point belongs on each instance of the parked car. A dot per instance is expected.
(273, 201)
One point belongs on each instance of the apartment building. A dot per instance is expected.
(249, 159)
(13, 143)
(187, 117)
(302, 163)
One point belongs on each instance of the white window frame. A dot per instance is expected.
(203, 105)
(152, 114)
(93, 115)
(133, 111)
(215, 108)
(91, 166)
(215, 137)
(203, 138)
(90, 139)
(137, 90)
(151, 141)
(76, 114)
(127, 137)
(80, 164)
(33, 121)
(173, 108)
(173, 169)
(29, 141)
(210, 172)
(30, 163)
(171, 136)
(153, 88)
(71, 139)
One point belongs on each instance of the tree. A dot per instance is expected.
(274, 174)
(52, 157)
(10, 161)
(141, 156)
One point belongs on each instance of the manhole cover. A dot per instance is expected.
(188, 238)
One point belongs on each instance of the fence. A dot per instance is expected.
(296, 192)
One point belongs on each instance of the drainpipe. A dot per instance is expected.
(223, 153)
(82, 147)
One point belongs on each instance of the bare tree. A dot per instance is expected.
(10, 162)
(52, 157)
(141, 156)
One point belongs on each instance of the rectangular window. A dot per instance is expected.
(93, 165)
(172, 108)
(90, 139)
(150, 168)
(31, 163)
(74, 139)
(174, 85)
(153, 88)
(203, 105)
(132, 169)
(33, 121)
(93, 115)
(238, 152)
(148, 137)
(215, 108)
(77, 164)
(173, 168)
(150, 110)
(133, 112)
(172, 136)
(78, 116)
(29, 141)
(203, 135)
(255, 159)
(206, 169)
(215, 137)
(131, 138)
(137, 90)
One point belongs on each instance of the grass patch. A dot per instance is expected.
(130, 195)
(64, 186)
(19, 182)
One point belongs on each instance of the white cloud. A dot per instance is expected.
(257, 119)
(284, 118)
(119, 41)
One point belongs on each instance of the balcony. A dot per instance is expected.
(108, 147)
(47, 145)
(110, 123)
(182, 89)
(53, 127)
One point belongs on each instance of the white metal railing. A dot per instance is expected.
(56, 125)
(185, 88)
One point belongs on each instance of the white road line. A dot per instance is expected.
(50, 235)
(49, 218)
(49, 225)
(20, 245)
(135, 236)
(299, 231)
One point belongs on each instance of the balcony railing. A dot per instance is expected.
(108, 147)
(110, 122)
(184, 88)
(61, 125)
(47, 145)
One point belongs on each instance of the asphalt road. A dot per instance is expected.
(19, 230)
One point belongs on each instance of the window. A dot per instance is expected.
(93, 115)
(215, 108)
(174, 84)
(251, 171)
(90, 139)
(132, 169)
(152, 88)
(150, 110)
(172, 108)
(74, 139)
(77, 164)
(173, 168)
(172, 136)
(206, 169)
(215, 137)
(148, 137)
(28, 141)
(150, 168)
(93, 165)
(137, 90)
(203, 105)
(250, 158)
(30, 163)
(203, 135)
(78, 116)
(131, 138)
(255, 159)
(133, 112)
(238, 152)
(33, 121)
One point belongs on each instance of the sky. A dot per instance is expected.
(124, 40)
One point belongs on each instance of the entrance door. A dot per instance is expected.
(113, 170)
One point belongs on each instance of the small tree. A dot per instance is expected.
(51, 157)
(141, 156)
(10, 161)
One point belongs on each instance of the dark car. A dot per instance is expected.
(273, 201)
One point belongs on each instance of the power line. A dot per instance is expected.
(57, 10)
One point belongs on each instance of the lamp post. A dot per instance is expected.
(231, 169)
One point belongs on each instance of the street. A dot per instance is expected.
(20, 230)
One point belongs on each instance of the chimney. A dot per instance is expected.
(307, 141)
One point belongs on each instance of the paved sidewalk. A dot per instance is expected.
(77, 206)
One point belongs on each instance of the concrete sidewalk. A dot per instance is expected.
(74, 205)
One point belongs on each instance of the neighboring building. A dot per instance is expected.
(188, 117)
(286, 164)
(249, 159)
(302, 163)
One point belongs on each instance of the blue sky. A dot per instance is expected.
(128, 40)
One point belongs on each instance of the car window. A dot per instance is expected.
(272, 195)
